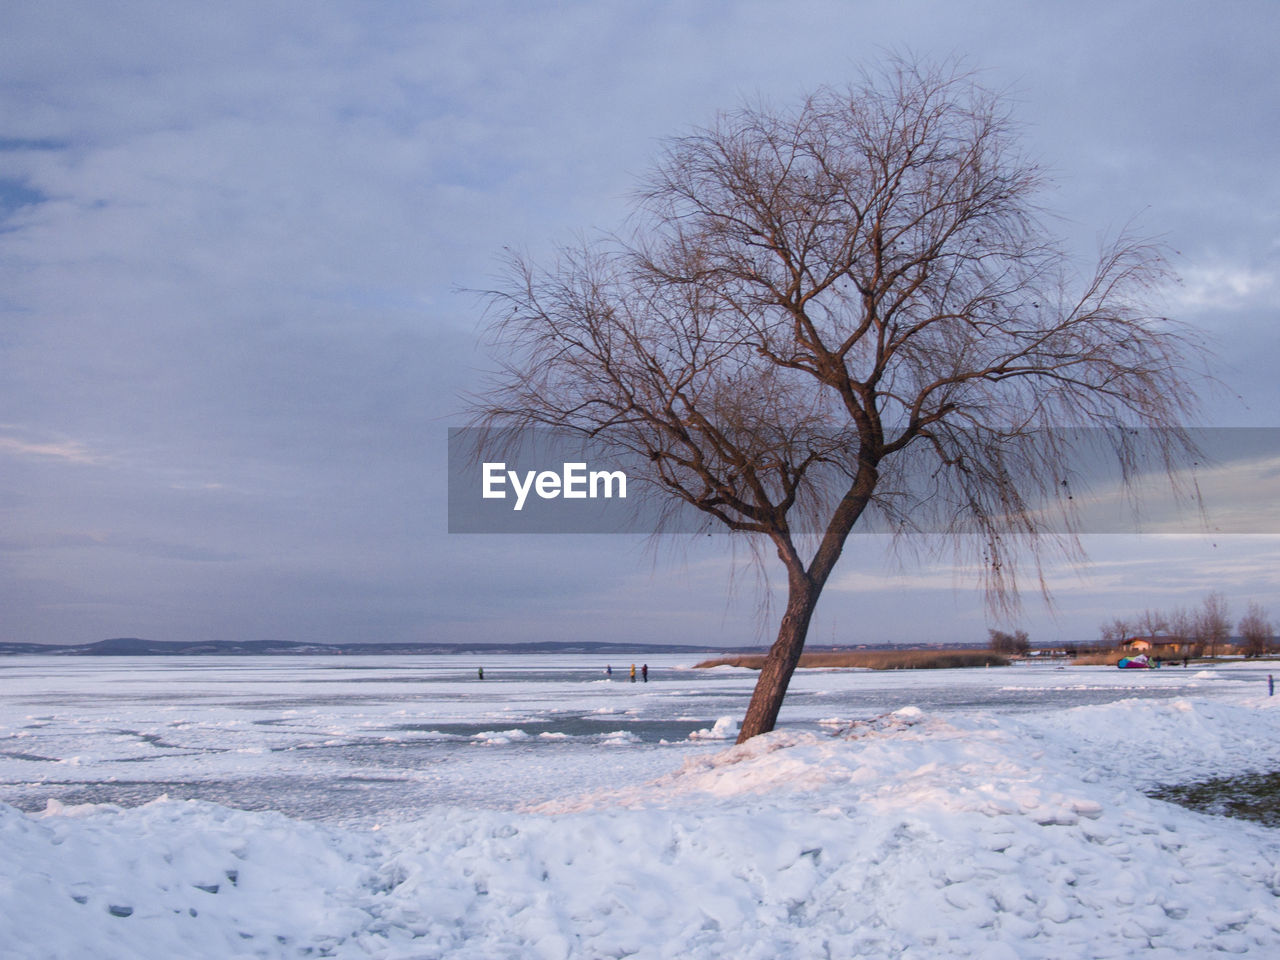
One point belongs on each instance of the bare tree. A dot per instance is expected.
(1182, 626)
(1211, 623)
(1016, 643)
(1115, 632)
(1153, 623)
(1181, 622)
(1256, 631)
(845, 309)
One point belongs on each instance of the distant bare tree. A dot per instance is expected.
(1016, 643)
(1212, 626)
(1182, 626)
(1256, 631)
(843, 309)
(1115, 632)
(1180, 622)
(1152, 623)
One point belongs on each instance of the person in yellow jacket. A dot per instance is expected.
(633, 673)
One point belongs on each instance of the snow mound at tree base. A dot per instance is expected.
(969, 835)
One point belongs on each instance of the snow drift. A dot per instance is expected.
(907, 835)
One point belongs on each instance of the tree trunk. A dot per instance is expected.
(771, 687)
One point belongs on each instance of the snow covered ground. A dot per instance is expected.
(548, 812)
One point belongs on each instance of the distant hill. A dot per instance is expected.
(137, 647)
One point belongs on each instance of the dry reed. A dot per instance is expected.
(876, 659)
(1107, 659)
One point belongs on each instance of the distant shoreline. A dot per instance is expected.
(138, 647)
(875, 659)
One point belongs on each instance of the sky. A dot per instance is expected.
(239, 244)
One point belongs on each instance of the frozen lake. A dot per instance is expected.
(550, 812)
(366, 740)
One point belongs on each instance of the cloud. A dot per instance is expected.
(133, 545)
(1167, 570)
(68, 451)
(1224, 286)
(234, 234)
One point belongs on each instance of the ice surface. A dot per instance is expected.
(360, 740)
(354, 740)
(544, 812)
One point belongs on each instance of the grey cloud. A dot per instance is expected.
(139, 546)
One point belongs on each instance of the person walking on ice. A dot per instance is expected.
(633, 673)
